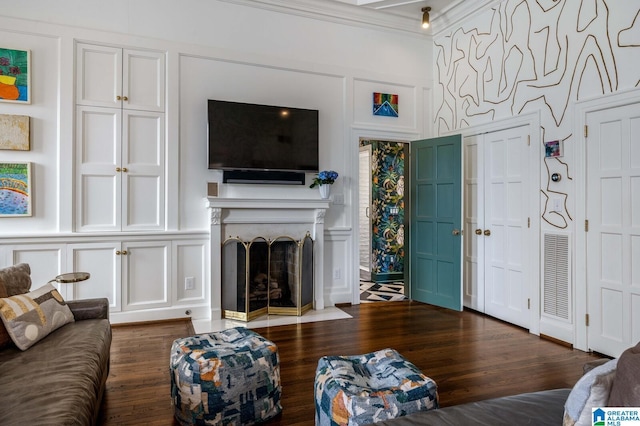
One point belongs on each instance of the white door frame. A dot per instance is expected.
(582, 109)
(357, 134)
(533, 120)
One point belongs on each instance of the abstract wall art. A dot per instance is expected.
(15, 75)
(14, 132)
(15, 189)
(553, 149)
(385, 104)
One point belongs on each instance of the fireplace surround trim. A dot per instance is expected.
(256, 217)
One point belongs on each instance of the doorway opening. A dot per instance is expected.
(382, 251)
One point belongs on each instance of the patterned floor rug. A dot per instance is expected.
(383, 292)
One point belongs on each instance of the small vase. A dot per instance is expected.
(325, 191)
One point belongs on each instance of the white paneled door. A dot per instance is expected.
(613, 237)
(497, 185)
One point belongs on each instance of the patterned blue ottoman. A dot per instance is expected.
(364, 389)
(230, 377)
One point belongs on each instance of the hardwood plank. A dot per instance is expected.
(470, 356)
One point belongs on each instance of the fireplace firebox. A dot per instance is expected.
(266, 276)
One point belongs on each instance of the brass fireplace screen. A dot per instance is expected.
(266, 277)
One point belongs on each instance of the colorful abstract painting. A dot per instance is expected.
(15, 189)
(385, 104)
(552, 149)
(15, 75)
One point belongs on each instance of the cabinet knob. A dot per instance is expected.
(118, 169)
(478, 231)
(487, 232)
(455, 232)
(124, 169)
(118, 252)
(124, 252)
(125, 98)
(118, 98)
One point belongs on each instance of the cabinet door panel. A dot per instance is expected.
(99, 75)
(143, 83)
(143, 183)
(104, 265)
(146, 272)
(98, 146)
(45, 260)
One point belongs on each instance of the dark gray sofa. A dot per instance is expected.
(536, 408)
(61, 379)
(541, 408)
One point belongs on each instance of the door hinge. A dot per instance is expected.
(528, 222)
(528, 303)
(586, 225)
(586, 131)
(586, 320)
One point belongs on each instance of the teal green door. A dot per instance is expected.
(436, 215)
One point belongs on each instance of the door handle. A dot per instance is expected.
(487, 232)
(478, 231)
(455, 232)
(366, 211)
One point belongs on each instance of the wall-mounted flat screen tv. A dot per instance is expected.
(246, 136)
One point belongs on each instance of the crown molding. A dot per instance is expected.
(458, 13)
(348, 14)
(338, 12)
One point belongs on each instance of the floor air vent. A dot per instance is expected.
(556, 276)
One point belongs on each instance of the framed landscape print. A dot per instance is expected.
(15, 189)
(15, 75)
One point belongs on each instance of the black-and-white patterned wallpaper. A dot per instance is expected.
(537, 55)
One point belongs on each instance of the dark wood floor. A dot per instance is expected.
(470, 356)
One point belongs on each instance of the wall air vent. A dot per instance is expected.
(556, 289)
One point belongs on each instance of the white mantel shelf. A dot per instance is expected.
(249, 218)
(259, 203)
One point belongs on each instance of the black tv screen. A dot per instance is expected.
(262, 137)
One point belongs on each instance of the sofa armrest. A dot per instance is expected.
(89, 308)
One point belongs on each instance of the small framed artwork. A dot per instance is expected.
(553, 149)
(385, 104)
(14, 132)
(15, 75)
(15, 189)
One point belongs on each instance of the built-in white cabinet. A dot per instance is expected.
(145, 277)
(120, 157)
(103, 260)
(133, 275)
(119, 140)
(114, 77)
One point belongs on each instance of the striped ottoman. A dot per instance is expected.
(230, 377)
(364, 389)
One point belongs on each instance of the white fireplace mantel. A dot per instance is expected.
(249, 218)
